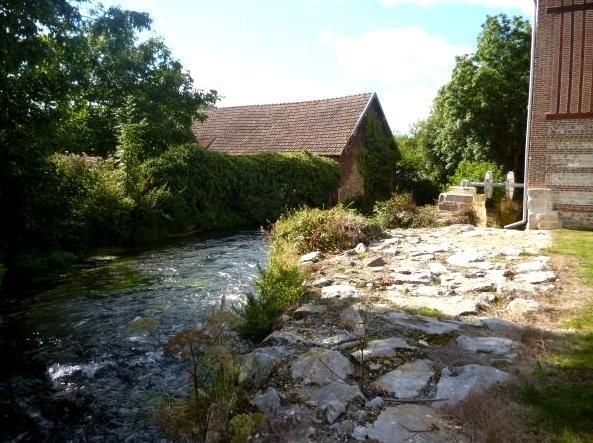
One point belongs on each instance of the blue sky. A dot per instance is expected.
(271, 51)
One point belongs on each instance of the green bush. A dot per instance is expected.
(400, 211)
(2, 272)
(475, 171)
(278, 288)
(91, 206)
(335, 229)
(192, 189)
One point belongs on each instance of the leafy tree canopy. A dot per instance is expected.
(481, 114)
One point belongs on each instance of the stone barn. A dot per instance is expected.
(560, 149)
(332, 128)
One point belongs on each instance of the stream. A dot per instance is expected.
(86, 360)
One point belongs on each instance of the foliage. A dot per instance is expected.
(214, 379)
(562, 396)
(279, 287)
(415, 174)
(63, 77)
(189, 188)
(400, 211)
(481, 115)
(377, 160)
(245, 426)
(335, 229)
(2, 272)
(476, 171)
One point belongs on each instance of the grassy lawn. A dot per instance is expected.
(562, 395)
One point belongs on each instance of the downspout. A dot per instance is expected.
(529, 112)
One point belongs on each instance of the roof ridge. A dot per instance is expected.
(369, 94)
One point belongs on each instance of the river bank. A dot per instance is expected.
(422, 336)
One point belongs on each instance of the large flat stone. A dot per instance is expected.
(322, 367)
(454, 387)
(498, 347)
(465, 258)
(428, 325)
(521, 306)
(536, 277)
(340, 292)
(259, 364)
(386, 347)
(452, 306)
(309, 310)
(407, 380)
(406, 424)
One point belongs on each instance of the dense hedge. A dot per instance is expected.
(189, 189)
(89, 202)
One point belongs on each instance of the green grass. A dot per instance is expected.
(562, 396)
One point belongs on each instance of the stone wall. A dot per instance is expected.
(458, 198)
(561, 149)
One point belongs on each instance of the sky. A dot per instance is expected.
(275, 51)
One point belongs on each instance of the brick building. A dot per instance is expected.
(560, 155)
(332, 128)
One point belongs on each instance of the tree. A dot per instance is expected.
(117, 66)
(481, 114)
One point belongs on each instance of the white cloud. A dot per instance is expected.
(405, 66)
(525, 6)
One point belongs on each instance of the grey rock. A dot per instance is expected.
(351, 319)
(539, 264)
(343, 428)
(436, 268)
(433, 248)
(386, 347)
(416, 277)
(497, 324)
(333, 409)
(336, 339)
(465, 258)
(451, 306)
(340, 292)
(407, 380)
(269, 401)
(478, 285)
(428, 325)
(375, 404)
(259, 364)
(322, 282)
(521, 306)
(309, 309)
(338, 390)
(454, 387)
(322, 367)
(311, 257)
(423, 257)
(427, 291)
(286, 336)
(536, 277)
(499, 347)
(359, 433)
(375, 262)
(360, 248)
(334, 398)
(410, 424)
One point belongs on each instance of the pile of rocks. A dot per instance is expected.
(392, 332)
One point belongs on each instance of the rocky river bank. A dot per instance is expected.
(390, 336)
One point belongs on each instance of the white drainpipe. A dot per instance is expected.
(529, 111)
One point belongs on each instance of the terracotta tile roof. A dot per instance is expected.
(322, 127)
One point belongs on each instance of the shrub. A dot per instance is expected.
(245, 426)
(476, 171)
(192, 189)
(400, 211)
(334, 230)
(278, 288)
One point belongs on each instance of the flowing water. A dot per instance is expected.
(86, 360)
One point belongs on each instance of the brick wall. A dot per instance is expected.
(561, 150)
